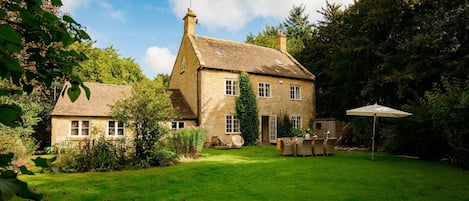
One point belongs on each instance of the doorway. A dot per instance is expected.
(268, 129)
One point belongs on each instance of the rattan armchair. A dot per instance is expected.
(329, 146)
(304, 148)
(318, 146)
(286, 148)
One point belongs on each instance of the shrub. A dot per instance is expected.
(92, 155)
(187, 142)
(162, 157)
(284, 126)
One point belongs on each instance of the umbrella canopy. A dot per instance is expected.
(376, 111)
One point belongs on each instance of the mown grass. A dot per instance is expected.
(259, 173)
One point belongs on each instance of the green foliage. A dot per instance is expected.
(145, 112)
(10, 185)
(296, 26)
(443, 112)
(33, 54)
(106, 66)
(392, 52)
(93, 155)
(187, 142)
(246, 110)
(161, 157)
(18, 139)
(284, 125)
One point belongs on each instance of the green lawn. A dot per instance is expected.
(259, 173)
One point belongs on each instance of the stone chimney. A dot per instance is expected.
(189, 22)
(281, 42)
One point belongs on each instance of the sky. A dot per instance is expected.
(150, 31)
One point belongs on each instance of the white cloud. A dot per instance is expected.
(157, 60)
(110, 11)
(69, 6)
(233, 15)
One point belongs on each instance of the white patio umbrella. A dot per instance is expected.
(377, 111)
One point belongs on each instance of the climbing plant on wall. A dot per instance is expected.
(246, 110)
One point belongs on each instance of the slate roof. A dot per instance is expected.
(234, 56)
(102, 96)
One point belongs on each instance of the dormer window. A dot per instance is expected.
(219, 53)
(278, 62)
(183, 64)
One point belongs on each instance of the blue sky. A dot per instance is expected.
(150, 31)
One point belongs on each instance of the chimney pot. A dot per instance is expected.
(281, 42)
(189, 22)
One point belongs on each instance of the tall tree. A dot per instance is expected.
(392, 52)
(296, 26)
(106, 66)
(246, 110)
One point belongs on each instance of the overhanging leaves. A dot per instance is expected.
(10, 114)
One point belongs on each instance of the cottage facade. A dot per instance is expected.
(89, 119)
(206, 74)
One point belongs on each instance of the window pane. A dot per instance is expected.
(228, 124)
(74, 131)
(74, 128)
(235, 87)
(85, 127)
(181, 125)
(120, 131)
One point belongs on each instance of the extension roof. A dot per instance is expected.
(102, 96)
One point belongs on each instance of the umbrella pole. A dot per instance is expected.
(373, 138)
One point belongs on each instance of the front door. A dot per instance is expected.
(269, 129)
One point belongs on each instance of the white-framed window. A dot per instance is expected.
(231, 124)
(183, 64)
(295, 121)
(79, 128)
(231, 87)
(115, 128)
(177, 125)
(295, 92)
(264, 89)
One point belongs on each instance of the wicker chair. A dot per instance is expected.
(304, 148)
(318, 146)
(237, 140)
(286, 148)
(224, 143)
(329, 146)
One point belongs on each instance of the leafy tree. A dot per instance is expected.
(106, 66)
(392, 52)
(298, 29)
(246, 110)
(146, 112)
(265, 38)
(317, 56)
(32, 56)
(296, 26)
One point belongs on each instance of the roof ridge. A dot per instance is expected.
(98, 83)
(232, 41)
